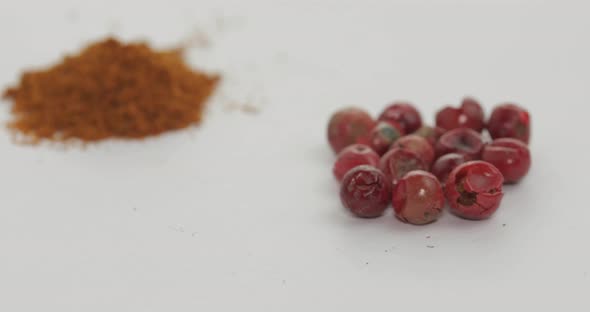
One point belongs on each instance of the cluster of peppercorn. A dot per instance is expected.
(397, 159)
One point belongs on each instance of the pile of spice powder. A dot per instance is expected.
(109, 90)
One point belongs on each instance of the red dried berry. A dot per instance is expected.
(404, 114)
(418, 145)
(352, 156)
(365, 191)
(510, 121)
(474, 190)
(430, 134)
(461, 141)
(418, 198)
(469, 115)
(349, 126)
(397, 162)
(510, 156)
(383, 135)
(445, 164)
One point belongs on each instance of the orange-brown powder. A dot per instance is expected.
(109, 90)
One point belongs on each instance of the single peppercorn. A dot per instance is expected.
(510, 156)
(510, 121)
(349, 126)
(365, 191)
(418, 145)
(352, 156)
(445, 164)
(462, 141)
(383, 135)
(474, 190)
(418, 198)
(468, 115)
(397, 162)
(403, 113)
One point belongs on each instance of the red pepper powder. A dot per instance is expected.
(109, 90)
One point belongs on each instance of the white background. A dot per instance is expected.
(242, 213)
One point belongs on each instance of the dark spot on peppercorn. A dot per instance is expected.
(493, 191)
(464, 143)
(520, 129)
(466, 198)
(389, 133)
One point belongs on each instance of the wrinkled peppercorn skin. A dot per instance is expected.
(352, 156)
(365, 192)
(474, 190)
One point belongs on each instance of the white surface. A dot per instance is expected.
(242, 214)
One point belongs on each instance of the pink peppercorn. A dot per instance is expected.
(468, 115)
(365, 191)
(510, 121)
(510, 156)
(430, 134)
(445, 164)
(397, 162)
(349, 126)
(352, 156)
(462, 141)
(403, 113)
(383, 135)
(418, 198)
(418, 145)
(474, 190)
